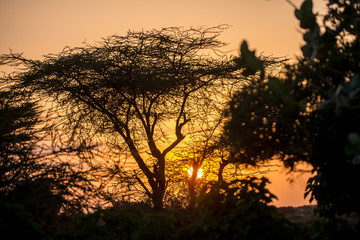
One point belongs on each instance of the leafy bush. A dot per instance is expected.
(310, 113)
(17, 223)
(240, 212)
(126, 223)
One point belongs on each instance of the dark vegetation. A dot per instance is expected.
(70, 122)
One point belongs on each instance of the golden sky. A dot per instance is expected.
(39, 27)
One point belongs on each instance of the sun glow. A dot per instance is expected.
(199, 172)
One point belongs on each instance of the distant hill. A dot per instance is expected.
(302, 214)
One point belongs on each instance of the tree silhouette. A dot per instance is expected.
(124, 93)
(311, 112)
(33, 172)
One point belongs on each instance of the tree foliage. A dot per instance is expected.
(124, 223)
(311, 112)
(33, 172)
(237, 210)
(16, 222)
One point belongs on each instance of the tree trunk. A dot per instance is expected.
(221, 170)
(191, 184)
(157, 199)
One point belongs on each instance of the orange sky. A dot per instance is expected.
(39, 27)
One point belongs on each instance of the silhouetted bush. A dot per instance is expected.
(310, 112)
(333, 229)
(37, 199)
(239, 213)
(124, 223)
(16, 223)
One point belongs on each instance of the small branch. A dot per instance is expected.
(291, 3)
(143, 185)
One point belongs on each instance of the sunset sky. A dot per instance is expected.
(40, 27)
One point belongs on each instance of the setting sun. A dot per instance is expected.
(199, 172)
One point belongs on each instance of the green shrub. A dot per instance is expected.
(16, 223)
(123, 223)
(239, 213)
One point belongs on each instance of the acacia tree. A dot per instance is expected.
(123, 93)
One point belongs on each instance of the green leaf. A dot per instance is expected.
(354, 139)
(307, 50)
(355, 81)
(356, 160)
(305, 15)
(276, 86)
(306, 7)
(353, 144)
(248, 60)
(298, 14)
(244, 48)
